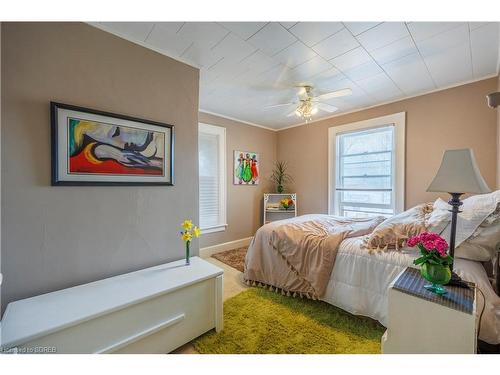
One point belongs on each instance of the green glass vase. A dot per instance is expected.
(438, 275)
(188, 255)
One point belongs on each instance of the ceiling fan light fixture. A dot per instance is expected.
(309, 104)
(305, 110)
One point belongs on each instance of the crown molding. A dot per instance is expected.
(201, 110)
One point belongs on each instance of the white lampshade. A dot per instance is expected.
(459, 173)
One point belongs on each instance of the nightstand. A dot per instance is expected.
(420, 321)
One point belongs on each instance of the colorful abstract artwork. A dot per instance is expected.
(246, 168)
(93, 147)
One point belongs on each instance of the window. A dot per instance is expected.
(212, 176)
(366, 167)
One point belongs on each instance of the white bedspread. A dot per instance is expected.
(359, 283)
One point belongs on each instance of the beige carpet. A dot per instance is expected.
(234, 258)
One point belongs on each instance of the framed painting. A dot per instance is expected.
(246, 168)
(91, 147)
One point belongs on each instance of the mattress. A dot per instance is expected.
(359, 283)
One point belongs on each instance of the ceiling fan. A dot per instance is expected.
(308, 104)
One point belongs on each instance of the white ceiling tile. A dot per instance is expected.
(341, 102)
(451, 66)
(437, 44)
(383, 34)
(227, 69)
(295, 54)
(380, 86)
(199, 56)
(134, 30)
(243, 29)
(170, 27)
(310, 68)
(259, 62)
(288, 25)
(328, 78)
(351, 59)
(272, 38)
(233, 48)
(359, 27)
(424, 30)
(410, 74)
(207, 76)
(205, 34)
(336, 44)
(166, 40)
(475, 25)
(278, 76)
(485, 44)
(368, 69)
(313, 32)
(240, 83)
(400, 48)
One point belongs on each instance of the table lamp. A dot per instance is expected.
(457, 175)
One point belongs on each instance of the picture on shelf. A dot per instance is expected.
(246, 168)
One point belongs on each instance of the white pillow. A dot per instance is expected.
(475, 210)
(439, 217)
(481, 246)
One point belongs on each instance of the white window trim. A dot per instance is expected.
(221, 132)
(399, 121)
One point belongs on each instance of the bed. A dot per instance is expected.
(359, 279)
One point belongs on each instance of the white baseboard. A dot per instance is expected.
(208, 251)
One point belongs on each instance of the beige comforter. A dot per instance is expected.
(297, 255)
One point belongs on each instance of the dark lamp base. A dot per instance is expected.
(457, 281)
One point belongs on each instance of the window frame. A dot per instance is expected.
(398, 120)
(219, 131)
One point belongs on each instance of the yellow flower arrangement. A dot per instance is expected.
(286, 203)
(189, 231)
(196, 232)
(187, 224)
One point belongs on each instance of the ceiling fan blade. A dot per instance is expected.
(334, 94)
(279, 105)
(327, 107)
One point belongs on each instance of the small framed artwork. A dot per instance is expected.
(246, 168)
(91, 147)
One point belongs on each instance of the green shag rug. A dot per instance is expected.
(258, 321)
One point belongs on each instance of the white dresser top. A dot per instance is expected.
(27, 319)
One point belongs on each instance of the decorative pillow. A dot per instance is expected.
(474, 211)
(481, 246)
(439, 217)
(393, 232)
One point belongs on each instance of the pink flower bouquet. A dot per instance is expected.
(432, 249)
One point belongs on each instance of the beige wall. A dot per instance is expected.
(56, 237)
(244, 203)
(453, 118)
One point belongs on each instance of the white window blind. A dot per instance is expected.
(367, 167)
(365, 172)
(211, 146)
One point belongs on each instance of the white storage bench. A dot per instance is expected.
(154, 310)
